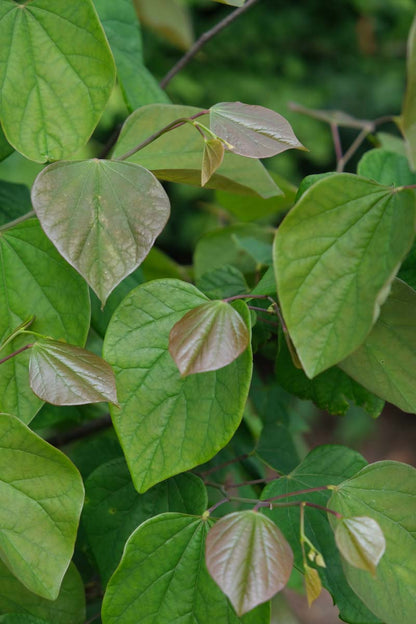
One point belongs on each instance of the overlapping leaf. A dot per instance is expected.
(249, 558)
(44, 116)
(14, 201)
(102, 216)
(68, 608)
(386, 168)
(63, 374)
(166, 427)
(31, 285)
(253, 131)
(113, 509)
(162, 574)
(385, 491)
(168, 18)
(208, 338)
(212, 157)
(41, 497)
(335, 256)
(361, 541)
(386, 361)
(177, 155)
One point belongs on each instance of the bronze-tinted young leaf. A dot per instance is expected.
(253, 131)
(361, 541)
(249, 558)
(407, 120)
(313, 584)
(102, 216)
(63, 374)
(211, 158)
(208, 338)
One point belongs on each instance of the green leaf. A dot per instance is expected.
(253, 131)
(113, 509)
(122, 28)
(361, 541)
(313, 584)
(21, 618)
(63, 374)
(267, 284)
(335, 256)
(5, 148)
(331, 390)
(169, 19)
(324, 465)
(102, 216)
(222, 246)
(236, 3)
(253, 208)
(386, 168)
(14, 201)
(222, 282)
(385, 491)
(45, 492)
(407, 271)
(68, 608)
(212, 158)
(45, 117)
(31, 265)
(386, 361)
(208, 338)
(163, 575)
(167, 428)
(177, 155)
(249, 558)
(277, 448)
(407, 121)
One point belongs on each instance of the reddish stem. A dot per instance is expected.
(11, 355)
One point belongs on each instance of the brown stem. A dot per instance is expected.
(353, 148)
(337, 141)
(307, 491)
(203, 39)
(11, 355)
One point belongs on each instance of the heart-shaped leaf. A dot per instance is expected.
(212, 158)
(176, 156)
(361, 541)
(386, 361)
(63, 374)
(249, 558)
(44, 116)
(208, 338)
(386, 492)
(168, 424)
(163, 575)
(386, 168)
(253, 131)
(102, 216)
(31, 285)
(327, 253)
(41, 497)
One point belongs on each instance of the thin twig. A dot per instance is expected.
(11, 355)
(337, 141)
(24, 217)
(353, 148)
(203, 39)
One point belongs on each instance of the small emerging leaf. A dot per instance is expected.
(63, 374)
(313, 584)
(361, 541)
(253, 131)
(249, 558)
(208, 338)
(211, 158)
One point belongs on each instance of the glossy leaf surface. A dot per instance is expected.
(335, 256)
(177, 155)
(253, 131)
(45, 117)
(31, 265)
(325, 465)
(113, 509)
(163, 573)
(212, 157)
(361, 542)
(63, 374)
(249, 558)
(44, 492)
(166, 428)
(385, 491)
(68, 608)
(408, 118)
(122, 28)
(386, 361)
(208, 338)
(102, 216)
